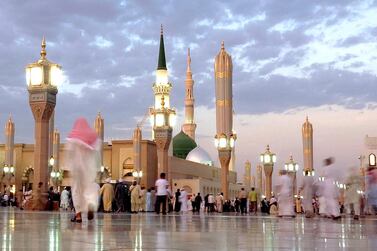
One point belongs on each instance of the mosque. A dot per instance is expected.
(190, 165)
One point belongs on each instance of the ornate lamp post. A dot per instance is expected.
(137, 175)
(224, 145)
(42, 78)
(292, 167)
(268, 159)
(162, 116)
(8, 174)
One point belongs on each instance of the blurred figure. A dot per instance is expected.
(285, 194)
(306, 189)
(253, 200)
(352, 200)
(183, 200)
(149, 201)
(211, 203)
(219, 203)
(177, 204)
(107, 192)
(135, 197)
(142, 200)
(243, 197)
(121, 195)
(372, 188)
(272, 206)
(82, 160)
(64, 199)
(198, 202)
(330, 193)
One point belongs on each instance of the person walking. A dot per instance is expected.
(120, 196)
(198, 202)
(177, 204)
(353, 187)
(142, 200)
(64, 199)
(211, 203)
(243, 197)
(184, 201)
(135, 197)
(107, 192)
(253, 200)
(330, 192)
(285, 194)
(149, 201)
(306, 189)
(162, 186)
(219, 203)
(82, 151)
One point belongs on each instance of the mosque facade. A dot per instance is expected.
(190, 165)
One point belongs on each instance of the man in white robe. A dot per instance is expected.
(307, 191)
(285, 195)
(82, 160)
(330, 192)
(183, 200)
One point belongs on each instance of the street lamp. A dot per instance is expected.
(225, 144)
(292, 167)
(8, 169)
(42, 79)
(268, 159)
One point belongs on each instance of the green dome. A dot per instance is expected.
(182, 145)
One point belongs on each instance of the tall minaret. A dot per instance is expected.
(99, 128)
(189, 126)
(163, 116)
(9, 145)
(56, 149)
(259, 180)
(247, 175)
(137, 148)
(307, 141)
(225, 137)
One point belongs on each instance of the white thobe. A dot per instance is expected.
(183, 200)
(330, 192)
(307, 191)
(285, 196)
(83, 164)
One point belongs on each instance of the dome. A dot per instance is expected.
(182, 145)
(199, 155)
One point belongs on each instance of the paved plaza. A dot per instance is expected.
(21, 230)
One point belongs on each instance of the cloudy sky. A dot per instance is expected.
(291, 59)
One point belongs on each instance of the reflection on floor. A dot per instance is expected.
(54, 231)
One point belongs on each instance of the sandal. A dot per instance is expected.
(76, 218)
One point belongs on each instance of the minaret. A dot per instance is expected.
(163, 116)
(189, 126)
(56, 149)
(247, 175)
(307, 141)
(9, 145)
(259, 180)
(99, 128)
(224, 138)
(137, 148)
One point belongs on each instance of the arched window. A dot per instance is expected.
(372, 159)
(128, 166)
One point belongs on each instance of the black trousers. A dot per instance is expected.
(160, 199)
(243, 205)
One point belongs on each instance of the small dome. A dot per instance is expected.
(199, 155)
(182, 145)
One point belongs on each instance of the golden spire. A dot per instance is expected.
(188, 60)
(43, 45)
(222, 45)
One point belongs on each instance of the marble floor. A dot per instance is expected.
(22, 230)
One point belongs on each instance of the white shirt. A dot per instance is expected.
(162, 185)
